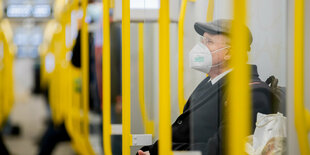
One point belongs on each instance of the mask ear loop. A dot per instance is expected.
(221, 49)
(218, 51)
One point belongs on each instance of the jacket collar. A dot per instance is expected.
(218, 86)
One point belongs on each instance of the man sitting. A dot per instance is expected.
(201, 125)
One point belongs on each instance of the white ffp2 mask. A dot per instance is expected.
(200, 58)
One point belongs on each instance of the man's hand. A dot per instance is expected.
(143, 153)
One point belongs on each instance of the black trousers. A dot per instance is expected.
(52, 137)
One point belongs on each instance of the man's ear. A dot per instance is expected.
(227, 56)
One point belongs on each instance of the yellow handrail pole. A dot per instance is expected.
(165, 136)
(67, 68)
(210, 11)
(6, 84)
(70, 107)
(62, 92)
(3, 76)
(106, 80)
(54, 97)
(11, 76)
(239, 93)
(57, 89)
(141, 73)
(11, 90)
(300, 117)
(181, 57)
(5, 79)
(127, 140)
(68, 80)
(148, 125)
(1, 79)
(85, 77)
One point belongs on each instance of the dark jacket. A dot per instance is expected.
(202, 123)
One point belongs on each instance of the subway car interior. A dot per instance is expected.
(148, 77)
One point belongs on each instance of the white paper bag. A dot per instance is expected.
(269, 129)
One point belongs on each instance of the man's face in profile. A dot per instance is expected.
(215, 42)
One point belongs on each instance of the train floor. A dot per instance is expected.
(31, 117)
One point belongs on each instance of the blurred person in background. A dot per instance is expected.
(56, 134)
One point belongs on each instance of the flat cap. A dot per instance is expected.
(220, 26)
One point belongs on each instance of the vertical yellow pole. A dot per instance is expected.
(85, 77)
(85, 63)
(55, 84)
(141, 74)
(6, 84)
(85, 60)
(1, 79)
(239, 93)
(300, 115)
(106, 80)
(60, 73)
(127, 140)
(148, 125)
(11, 95)
(181, 57)
(65, 75)
(5, 97)
(210, 11)
(164, 80)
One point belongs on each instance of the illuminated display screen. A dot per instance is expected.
(24, 11)
(41, 11)
(19, 11)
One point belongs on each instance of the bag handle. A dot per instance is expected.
(272, 81)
